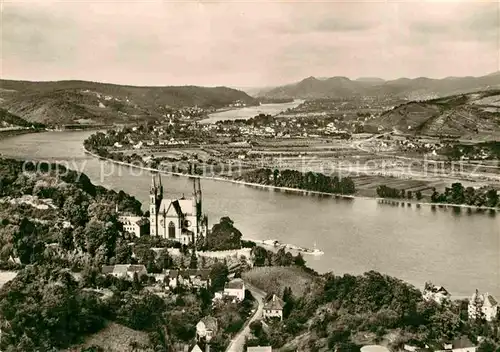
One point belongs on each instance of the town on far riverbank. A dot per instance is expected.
(312, 140)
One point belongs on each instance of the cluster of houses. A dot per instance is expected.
(483, 304)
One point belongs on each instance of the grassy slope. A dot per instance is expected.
(459, 115)
(275, 279)
(114, 338)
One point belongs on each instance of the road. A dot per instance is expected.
(238, 342)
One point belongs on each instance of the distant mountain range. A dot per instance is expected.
(412, 89)
(474, 115)
(70, 102)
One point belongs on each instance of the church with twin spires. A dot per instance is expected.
(180, 219)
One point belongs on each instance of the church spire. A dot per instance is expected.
(161, 186)
(153, 184)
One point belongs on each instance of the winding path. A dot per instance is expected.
(238, 342)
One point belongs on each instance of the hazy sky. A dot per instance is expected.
(246, 43)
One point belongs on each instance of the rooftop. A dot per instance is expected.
(236, 284)
(274, 303)
(259, 349)
(210, 323)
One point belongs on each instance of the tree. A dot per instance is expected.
(164, 260)
(27, 244)
(491, 198)
(470, 196)
(218, 276)
(289, 301)
(65, 239)
(260, 256)
(136, 283)
(299, 260)
(123, 253)
(486, 346)
(457, 193)
(193, 263)
(418, 195)
(224, 236)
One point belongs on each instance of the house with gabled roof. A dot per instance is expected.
(235, 288)
(462, 344)
(259, 349)
(191, 278)
(124, 271)
(484, 304)
(207, 328)
(273, 307)
(435, 293)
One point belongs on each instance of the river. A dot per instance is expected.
(460, 251)
(250, 111)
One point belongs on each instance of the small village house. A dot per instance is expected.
(196, 348)
(190, 278)
(434, 293)
(462, 344)
(486, 304)
(259, 349)
(273, 307)
(124, 271)
(206, 328)
(136, 225)
(235, 288)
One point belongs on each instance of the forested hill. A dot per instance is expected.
(68, 102)
(416, 88)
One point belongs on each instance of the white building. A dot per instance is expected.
(136, 225)
(486, 304)
(180, 219)
(206, 328)
(259, 349)
(273, 307)
(434, 293)
(235, 288)
(124, 271)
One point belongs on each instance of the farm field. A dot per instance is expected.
(274, 279)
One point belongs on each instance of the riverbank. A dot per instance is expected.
(17, 132)
(299, 191)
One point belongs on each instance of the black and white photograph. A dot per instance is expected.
(249, 176)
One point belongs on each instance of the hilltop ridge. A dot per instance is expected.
(82, 102)
(410, 88)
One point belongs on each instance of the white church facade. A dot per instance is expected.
(180, 219)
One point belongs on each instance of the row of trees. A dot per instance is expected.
(264, 257)
(384, 191)
(309, 181)
(458, 194)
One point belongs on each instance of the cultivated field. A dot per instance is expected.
(274, 279)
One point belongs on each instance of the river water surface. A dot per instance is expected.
(251, 111)
(459, 250)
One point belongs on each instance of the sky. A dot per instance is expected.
(246, 43)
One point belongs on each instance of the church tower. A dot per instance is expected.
(198, 209)
(155, 198)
